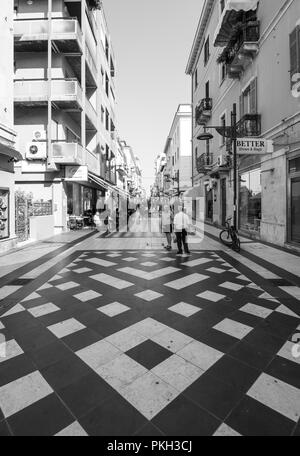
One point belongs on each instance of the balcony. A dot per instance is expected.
(91, 69)
(249, 125)
(92, 162)
(203, 111)
(32, 35)
(204, 163)
(91, 116)
(65, 93)
(64, 153)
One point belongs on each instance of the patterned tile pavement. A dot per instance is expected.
(114, 344)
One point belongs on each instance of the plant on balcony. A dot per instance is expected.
(95, 4)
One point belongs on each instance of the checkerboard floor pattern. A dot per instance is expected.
(114, 344)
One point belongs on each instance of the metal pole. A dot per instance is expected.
(234, 138)
(49, 84)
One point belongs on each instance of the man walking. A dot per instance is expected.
(181, 226)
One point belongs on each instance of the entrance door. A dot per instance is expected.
(209, 204)
(295, 210)
(223, 201)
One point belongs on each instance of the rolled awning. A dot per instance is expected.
(229, 19)
(102, 183)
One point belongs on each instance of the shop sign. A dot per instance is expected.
(254, 146)
(76, 173)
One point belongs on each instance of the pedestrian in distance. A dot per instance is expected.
(181, 228)
(167, 225)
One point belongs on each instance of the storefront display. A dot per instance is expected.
(4, 211)
(250, 200)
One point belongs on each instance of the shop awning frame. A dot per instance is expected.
(229, 19)
(98, 180)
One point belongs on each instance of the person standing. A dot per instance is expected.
(167, 225)
(181, 227)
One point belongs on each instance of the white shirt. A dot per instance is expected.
(181, 221)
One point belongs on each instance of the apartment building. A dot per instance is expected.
(8, 152)
(248, 53)
(64, 97)
(133, 170)
(177, 165)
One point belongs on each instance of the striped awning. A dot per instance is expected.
(229, 19)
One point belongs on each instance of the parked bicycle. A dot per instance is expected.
(229, 236)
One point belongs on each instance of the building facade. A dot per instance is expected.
(8, 153)
(64, 97)
(248, 53)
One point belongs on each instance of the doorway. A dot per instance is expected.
(209, 204)
(223, 201)
(294, 200)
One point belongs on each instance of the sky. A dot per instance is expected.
(152, 40)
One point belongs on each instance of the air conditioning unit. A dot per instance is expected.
(39, 135)
(221, 160)
(36, 151)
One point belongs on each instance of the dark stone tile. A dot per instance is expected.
(251, 418)
(251, 355)
(20, 322)
(234, 373)
(149, 431)
(14, 368)
(264, 340)
(285, 370)
(246, 319)
(218, 340)
(105, 327)
(184, 418)
(115, 417)
(280, 325)
(34, 338)
(85, 394)
(216, 397)
(65, 372)
(81, 339)
(49, 354)
(43, 418)
(149, 354)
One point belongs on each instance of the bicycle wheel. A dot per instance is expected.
(225, 238)
(236, 243)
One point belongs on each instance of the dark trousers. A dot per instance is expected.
(181, 238)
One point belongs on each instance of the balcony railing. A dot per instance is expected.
(204, 163)
(67, 153)
(203, 111)
(36, 91)
(91, 115)
(37, 30)
(249, 125)
(91, 64)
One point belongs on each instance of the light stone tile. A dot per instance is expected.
(235, 271)
(1, 325)
(126, 339)
(73, 430)
(64, 270)
(16, 309)
(67, 286)
(149, 255)
(112, 281)
(231, 286)
(98, 354)
(149, 275)
(114, 255)
(33, 295)
(277, 395)
(9, 349)
(216, 270)
(148, 263)
(268, 297)
(22, 393)
(56, 277)
(46, 286)
(121, 371)
(243, 277)
(149, 394)
(101, 262)
(186, 281)
(177, 372)
(167, 259)
(258, 311)
(288, 351)
(44, 309)
(226, 431)
(211, 296)
(82, 270)
(148, 295)
(129, 259)
(286, 311)
(293, 291)
(233, 328)
(149, 327)
(197, 262)
(184, 309)
(171, 339)
(87, 295)
(253, 286)
(200, 354)
(66, 327)
(113, 309)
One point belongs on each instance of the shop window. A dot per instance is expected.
(250, 200)
(4, 211)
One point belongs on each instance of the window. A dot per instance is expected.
(106, 48)
(222, 72)
(295, 52)
(223, 124)
(207, 89)
(206, 51)
(207, 148)
(107, 84)
(71, 137)
(102, 114)
(250, 200)
(248, 99)
(196, 79)
(106, 119)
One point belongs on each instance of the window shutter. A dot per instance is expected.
(295, 52)
(253, 96)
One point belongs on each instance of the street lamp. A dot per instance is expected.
(232, 133)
